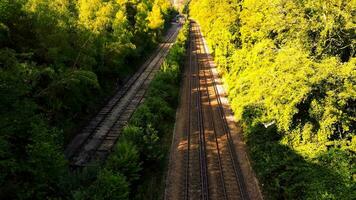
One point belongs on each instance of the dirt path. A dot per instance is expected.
(208, 157)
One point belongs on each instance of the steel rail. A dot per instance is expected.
(202, 145)
(214, 128)
(186, 191)
(108, 108)
(238, 173)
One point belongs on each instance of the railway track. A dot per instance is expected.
(220, 179)
(208, 135)
(187, 131)
(239, 179)
(202, 141)
(96, 140)
(196, 185)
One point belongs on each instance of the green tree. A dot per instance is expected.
(126, 160)
(109, 185)
(155, 17)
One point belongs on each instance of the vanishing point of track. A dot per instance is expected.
(97, 139)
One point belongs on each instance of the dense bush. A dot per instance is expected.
(108, 185)
(58, 60)
(125, 159)
(290, 64)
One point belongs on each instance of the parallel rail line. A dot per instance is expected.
(202, 142)
(186, 191)
(221, 172)
(232, 153)
(91, 142)
(194, 82)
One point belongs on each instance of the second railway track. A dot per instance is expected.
(97, 139)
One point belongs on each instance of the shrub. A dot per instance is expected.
(125, 159)
(108, 185)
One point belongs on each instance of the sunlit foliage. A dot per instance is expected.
(291, 65)
(155, 18)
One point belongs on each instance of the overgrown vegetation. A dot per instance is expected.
(58, 60)
(135, 169)
(290, 65)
